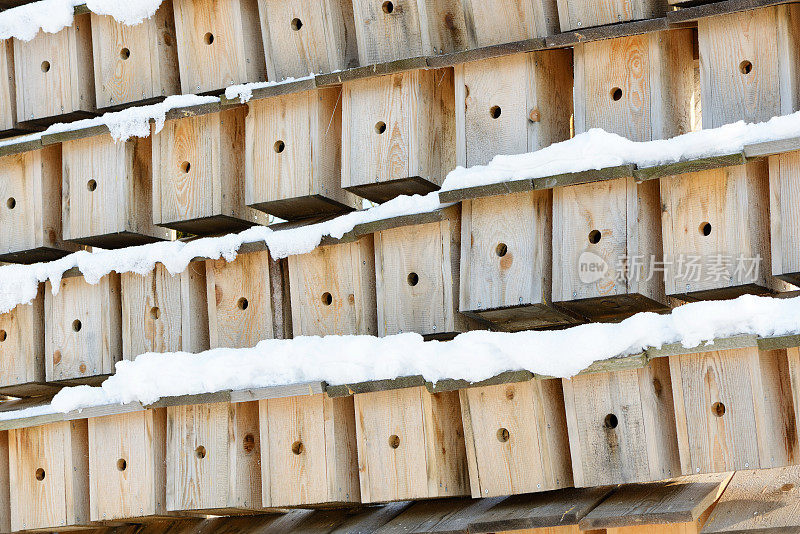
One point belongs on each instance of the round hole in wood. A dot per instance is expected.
(91, 185)
(200, 452)
(11, 203)
(413, 279)
(718, 409)
(45, 66)
(122, 464)
(745, 67)
(495, 112)
(380, 127)
(595, 236)
(124, 54)
(76, 325)
(394, 441)
(40, 474)
(185, 167)
(208, 38)
(296, 24)
(616, 94)
(610, 421)
(502, 435)
(155, 313)
(327, 299)
(387, 7)
(249, 443)
(297, 447)
(501, 249)
(3, 335)
(242, 303)
(705, 229)
(279, 146)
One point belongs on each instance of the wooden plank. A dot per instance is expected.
(769, 148)
(23, 144)
(689, 166)
(691, 14)
(487, 52)
(277, 392)
(447, 516)
(609, 31)
(342, 390)
(271, 91)
(372, 70)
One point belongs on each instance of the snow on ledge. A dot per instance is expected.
(244, 91)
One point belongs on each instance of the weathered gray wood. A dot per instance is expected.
(686, 166)
(20, 146)
(735, 342)
(450, 384)
(276, 392)
(285, 88)
(70, 135)
(345, 390)
(368, 71)
(200, 398)
(611, 31)
(690, 14)
(486, 52)
(769, 148)
(447, 516)
(101, 411)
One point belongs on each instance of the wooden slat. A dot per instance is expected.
(276, 392)
(279, 89)
(691, 14)
(687, 166)
(450, 516)
(769, 148)
(610, 31)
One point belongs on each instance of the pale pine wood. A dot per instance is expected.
(67, 86)
(164, 313)
(767, 38)
(505, 21)
(655, 75)
(293, 155)
(735, 202)
(30, 206)
(323, 41)
(61, 498)
(520, 88)
(136, 489)
(5, 485)
(133, 63)
(532, 454)
(642, 447)
(207, 195)
(346, 272)
(107, 192)
(431, 252)
(309, 454)
(22, 347)
(429, 460)
(784, 195)
(757, 428)
(417, 109)
(235, 53)
(87, 354)
(250, 277)
(8, 101)
(577, 14)
(227, 478)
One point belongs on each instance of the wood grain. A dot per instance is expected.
(784, 194)
(22, 350)
(8, 102)
(505, 21)
(586, 13)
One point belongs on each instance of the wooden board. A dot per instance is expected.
(8, 102)
(587, 13)
(22, 351)
(784, 194)
(5, 485)
(449, 516)
(497, 22)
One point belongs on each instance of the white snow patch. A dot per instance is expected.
(244, 91)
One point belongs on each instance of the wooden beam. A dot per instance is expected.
(691, 14)
(611, 31)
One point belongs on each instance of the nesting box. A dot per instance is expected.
(734, 410)
(417, 276)
(494, 22)
(749, 65)
(410, 445)
(135, 63)
(293, 155)
(244, 300)
(516, 438)
(30, 206)
(8, 103)
(127, 465)
(332, 290)
(219, 44)
(621, 426)
(400, 29)
(309, 451)
(575, 15)
(83, 330)
(506, 269)
(22, 349)
(784, 196)
(398, 133)
(164, 313)
(304, 37)
(213, 458)
(716, 232)
(198, 174)
(5, 485)
(513, 104)
(107, 192)
(49, 476)
(54, 74)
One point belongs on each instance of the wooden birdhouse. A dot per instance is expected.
(308, 455)
(716, 233)
(198, 174)
(30, 206)
(621, 426)
(513, 104)
(164, 313)
(726, 403)
(245, 300)
(784, 196)
(332, 290)
(135, 63)
(305, 37)
(749, 65)
(398, 133)
(516, 436)
(83, 330)
(5, 485)
(127, 465)
(494, 22)
(49, 476)
(107, 192)
(580, 14)
(22, 351)
(54, 74)
(214, 458)
(293, 155)
(219, 44)
(417, 277)
(399, 29)
(506, 269)
(8, 102)
(410, 445)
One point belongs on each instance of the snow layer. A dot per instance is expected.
(52, 16)
(471, 356)
(244, 91)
